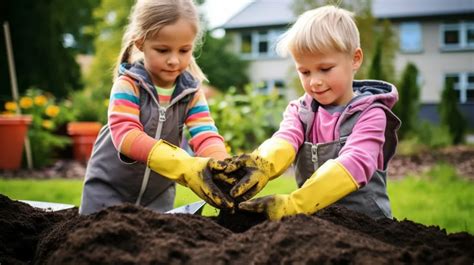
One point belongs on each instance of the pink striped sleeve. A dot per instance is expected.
(124, 123)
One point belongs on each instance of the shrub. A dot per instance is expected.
(407, 107)
(246, 120)
(450, 115)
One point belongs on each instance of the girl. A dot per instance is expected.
(155, 94)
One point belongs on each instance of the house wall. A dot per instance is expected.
(433, 63)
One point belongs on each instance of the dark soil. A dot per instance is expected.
(134, 235)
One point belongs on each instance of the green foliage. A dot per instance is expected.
(439, 197)
(426, 136)
(376, 71)
(408, 107)
(246, 120)
(47, 115)
(213, 57)
(42, 58)
(450, 115)
(89, 107)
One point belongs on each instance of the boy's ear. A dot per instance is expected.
(357, 59)
(139, 44)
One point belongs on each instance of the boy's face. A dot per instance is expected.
(328, 77)
(168, 53)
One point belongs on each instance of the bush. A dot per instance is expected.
(407, 108)
(246, 120)
(450, 115)
(47, 116)
(426, 136)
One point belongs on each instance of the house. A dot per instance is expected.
(436, 35)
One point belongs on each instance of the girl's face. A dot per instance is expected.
(328, 77)
(168, 53)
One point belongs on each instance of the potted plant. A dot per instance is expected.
(13, 129)
(43, 115)
(89, 115)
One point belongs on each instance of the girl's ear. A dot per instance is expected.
(357, 59)
(139, 44)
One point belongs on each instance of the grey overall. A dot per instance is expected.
(372, 199)
(112, 178)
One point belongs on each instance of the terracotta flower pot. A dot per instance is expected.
(13, 129)
(83, 136)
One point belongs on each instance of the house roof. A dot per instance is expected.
(278, 12)
(262, 13)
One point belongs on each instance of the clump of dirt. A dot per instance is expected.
(128, 234)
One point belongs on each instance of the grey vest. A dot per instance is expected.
(372, 199)
(112, 178)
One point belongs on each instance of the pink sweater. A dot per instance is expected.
(362, 154)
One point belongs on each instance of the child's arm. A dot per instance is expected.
(362, 154)
(124, 121)
(205, 139)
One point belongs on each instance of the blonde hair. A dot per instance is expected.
(150, 16)
(323, 29)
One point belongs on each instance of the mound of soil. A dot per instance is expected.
(128, 234)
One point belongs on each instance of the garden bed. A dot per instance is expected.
(134, 235)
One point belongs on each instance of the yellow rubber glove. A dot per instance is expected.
(195, 173)
(327, 185)
(268, 161)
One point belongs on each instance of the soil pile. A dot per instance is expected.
(133, 235)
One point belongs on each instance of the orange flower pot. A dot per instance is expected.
(13, 129)
(83, 136)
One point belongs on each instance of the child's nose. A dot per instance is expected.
(172, 60)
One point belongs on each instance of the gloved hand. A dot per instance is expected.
(254, 171)
(327, 185)
(195, 173)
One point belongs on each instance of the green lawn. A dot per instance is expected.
(437, 198)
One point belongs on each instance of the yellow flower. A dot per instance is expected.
(52, 111)
(41, 100)
(106, 102)
(10, 106)
(48, 124)
(26, 102)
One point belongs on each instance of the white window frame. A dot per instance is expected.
(257, 36)
(267, 86)
(411, 27)
(462, 27)
(463, 86)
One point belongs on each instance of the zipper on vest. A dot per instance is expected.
(314, 156)
(146, 176)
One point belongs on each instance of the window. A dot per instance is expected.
(463, 85)
(457, 36)
(411, 37)
(254, 44)
(268, 86)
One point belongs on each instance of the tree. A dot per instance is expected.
(407, 107)
(450, 115)
(223, 69)
(43, 57)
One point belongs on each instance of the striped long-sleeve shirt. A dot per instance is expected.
(128, 133)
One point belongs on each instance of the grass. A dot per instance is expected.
(439, 197)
